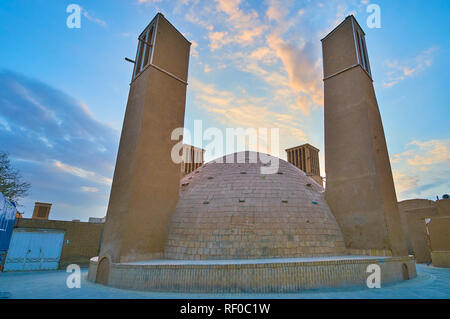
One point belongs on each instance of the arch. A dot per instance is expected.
(405, 272)
(103, 268)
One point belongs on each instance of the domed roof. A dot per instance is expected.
(231, 211)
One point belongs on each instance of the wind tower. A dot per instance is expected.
(359, 185)
(306, 158)
(145, 187)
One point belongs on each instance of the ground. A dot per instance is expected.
(430, 282)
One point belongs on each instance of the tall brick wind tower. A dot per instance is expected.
(359, 185)
(145, 188)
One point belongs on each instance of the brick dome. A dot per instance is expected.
(232, 211)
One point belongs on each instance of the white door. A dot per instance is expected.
(34, 250)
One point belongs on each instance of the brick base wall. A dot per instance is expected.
(440, 259)
(261, 277)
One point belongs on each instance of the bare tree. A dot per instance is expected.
(11, 184)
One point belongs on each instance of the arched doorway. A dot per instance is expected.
(103, 271)
(405, 272)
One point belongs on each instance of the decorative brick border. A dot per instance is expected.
(267, 277)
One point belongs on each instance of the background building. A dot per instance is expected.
(41, 210)
(423, 242)
(193, 157)
(306, 158)
(38, 243)
(438, 228)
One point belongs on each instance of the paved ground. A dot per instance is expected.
(431, 282)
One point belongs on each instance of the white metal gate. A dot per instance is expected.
(37, 249)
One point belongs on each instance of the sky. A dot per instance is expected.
(63, 91)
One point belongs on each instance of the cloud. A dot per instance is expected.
(263, 54)
(56, 143)
(79, 172)
(303, 69)
(294, 40)
(245, 26)
(243, 110)
(277, 11)
(425, 153)
(194, 51)
(192, 15)
(405, 183)
(207, 68)
(45, 123)
(422, 169)
(277, 48)
(92, 18)
(89, 189)
(273, 53)
(218, 40)
(226, 23)
(125, 34)
(400, 71)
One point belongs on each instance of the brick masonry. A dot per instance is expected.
(232, 223)
(441, 259)
(231, 210)
(268, 277)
